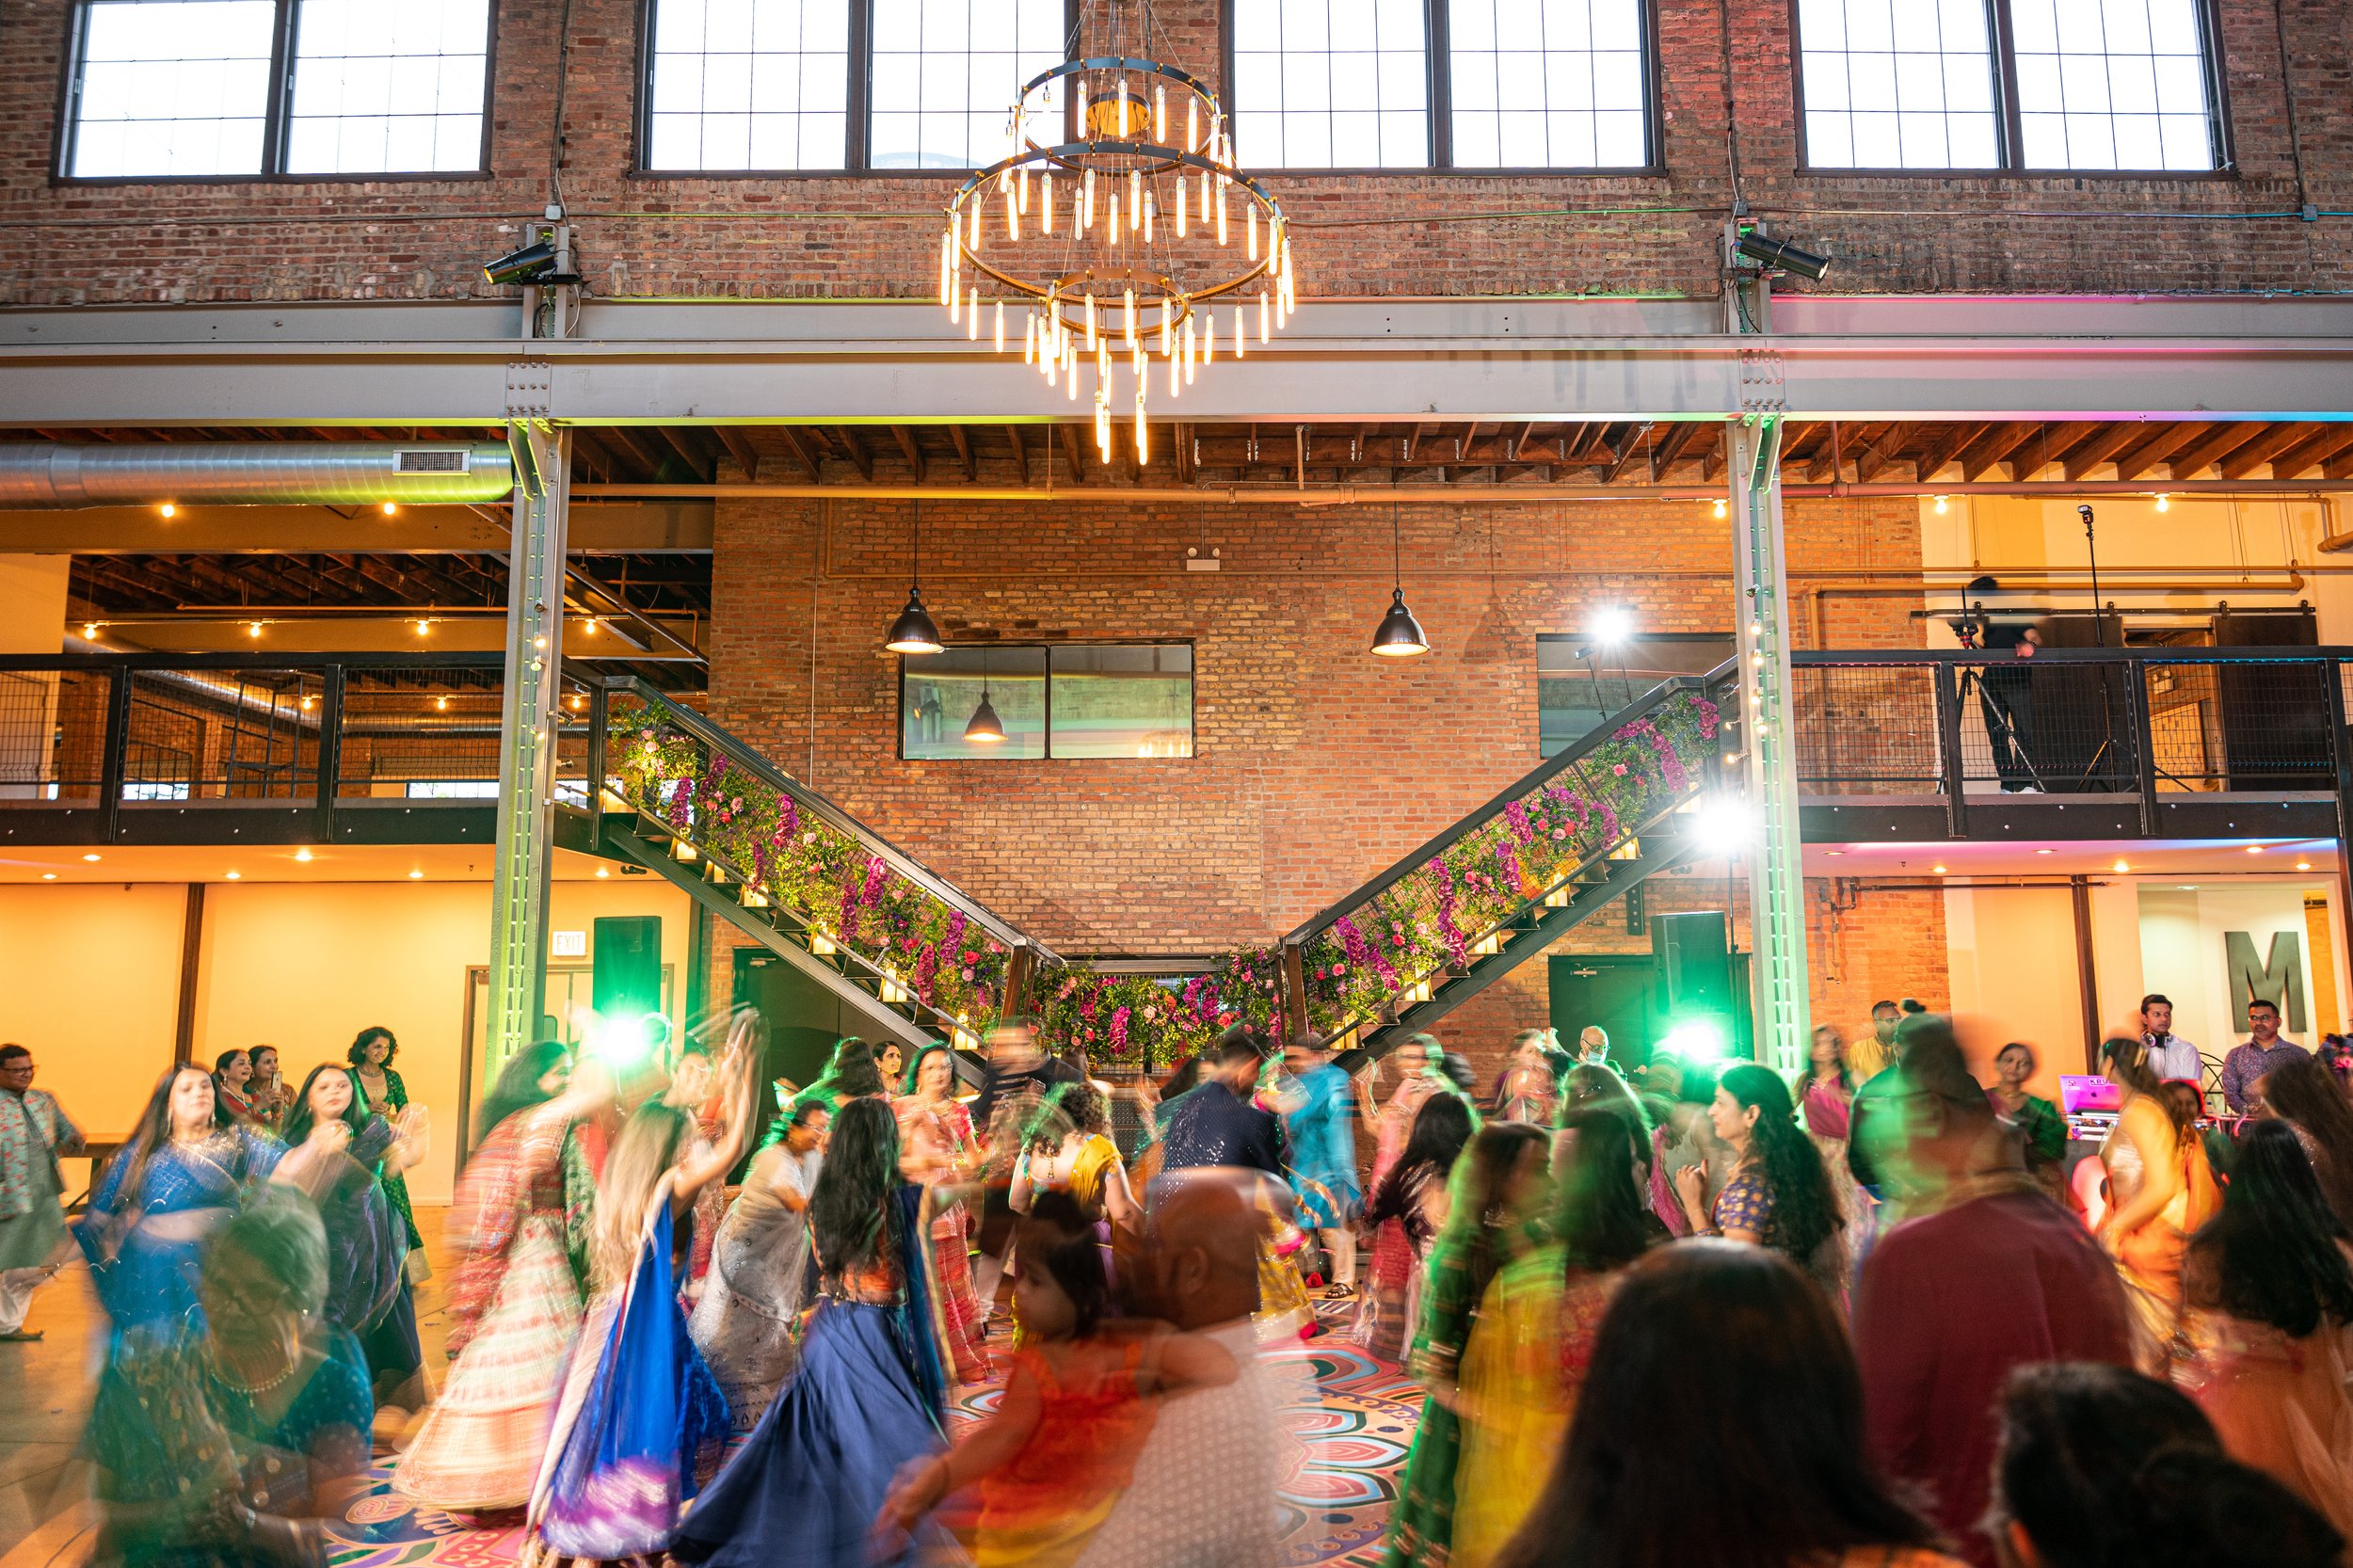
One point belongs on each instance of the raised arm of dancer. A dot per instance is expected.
(698, 1171)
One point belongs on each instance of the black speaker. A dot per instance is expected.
(1694, 962)
(625, 966)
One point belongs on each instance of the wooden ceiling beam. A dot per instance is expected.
(798, 445)
(2101, 445)
(1882, 450)
(2279, 438)
(852, 445)
(962, 441)
(1020, 452)
(1996, 442)
(2313, 451)
(690, 451)
(2218, 442)
(1939, 446)
(1670, 451)
(2153, 449)
(740, 448)
(1069, 434)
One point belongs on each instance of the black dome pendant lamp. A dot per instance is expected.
(984, 729)
(1399, 634)
(913, 632)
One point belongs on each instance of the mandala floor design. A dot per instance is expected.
(1354, 1418)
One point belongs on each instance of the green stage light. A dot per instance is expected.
(1695, 1040)
(625, 1041)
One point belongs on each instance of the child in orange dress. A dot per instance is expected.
(1062, 1443)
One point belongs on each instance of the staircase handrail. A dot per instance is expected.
(1536, 777)
(1343, 976)
(749, 759)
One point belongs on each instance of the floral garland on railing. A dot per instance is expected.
(1355, 970)
(1411, 931)
(827, 879)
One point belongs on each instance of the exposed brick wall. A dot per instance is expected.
(864, 237)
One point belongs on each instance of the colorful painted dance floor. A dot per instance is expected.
(1353, 1417)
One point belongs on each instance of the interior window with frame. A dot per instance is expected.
(758, 86)
(195, 90)
(1063, 701)
(1441, 84)
(2028, 86)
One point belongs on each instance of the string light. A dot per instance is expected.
(168, 510)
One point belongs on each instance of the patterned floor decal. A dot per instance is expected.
(1353, 1417)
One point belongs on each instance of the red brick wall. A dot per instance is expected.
(864, 237)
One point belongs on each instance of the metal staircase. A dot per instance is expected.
(1493, 890)
(712, 815)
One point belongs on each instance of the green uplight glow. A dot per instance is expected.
(1695, 1040)
(628, 1041)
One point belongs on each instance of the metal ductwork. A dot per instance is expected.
(254, 472)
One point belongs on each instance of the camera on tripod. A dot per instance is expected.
(1969, 627)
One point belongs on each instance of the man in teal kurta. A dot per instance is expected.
(33, 1131)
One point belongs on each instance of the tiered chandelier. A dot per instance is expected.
(1118, 248)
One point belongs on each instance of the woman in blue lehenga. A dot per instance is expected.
(343, 1155)
(871, 1389)
(641, 1418)
(181, 1178)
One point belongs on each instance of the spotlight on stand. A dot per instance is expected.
(1781, 256)
(1612, 626)
(530, 265)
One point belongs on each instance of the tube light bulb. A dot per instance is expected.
(1127, 312)
(1135, 195)
(1091, 315)
(1262, 314)
(1151, 210)
(1012, 218)
(1239, 334)
(1001, 327)
(1252, 215)
(1113, 231)
(1159, 112)
(1181, 206)
(1028, 337)
(972, 313)
(1045, 202)
(1221, 216)
(1143, 452)
(1192, 122)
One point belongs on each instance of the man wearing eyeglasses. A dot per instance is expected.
(33, 1131)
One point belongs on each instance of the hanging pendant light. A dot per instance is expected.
(1399, 634)
(914, 632)
(983, 729)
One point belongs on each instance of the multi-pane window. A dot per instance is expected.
(946, 73)
(1898, 84)
(190, 89)
(1073, 701)
(1447, 84)
(1330, 84)
(2008, 84)
(2118, 84)
(749, 83)
(381, 87)
(1549, 86)
(774, 84)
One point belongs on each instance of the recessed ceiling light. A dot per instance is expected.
(416, 877)
(235, 876)
(1834, 851)
(2042, 852)
(604, 870)
(49, 876)
(2123, 866)
(303, 854)
(2254, 849)
(1938, 869)
(2303, 865)
(92, 856)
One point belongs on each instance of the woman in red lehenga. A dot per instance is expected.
(514, 1304)
(938, 1151)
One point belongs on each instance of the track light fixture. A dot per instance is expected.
(1781, 256)
(914, 632)
(532, 264)
(1398, 635)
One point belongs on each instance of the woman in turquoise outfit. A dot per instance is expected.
(381, 1092)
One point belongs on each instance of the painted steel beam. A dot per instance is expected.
(638, 528)
(654, 362)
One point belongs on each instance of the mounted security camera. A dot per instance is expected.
(1782, 256)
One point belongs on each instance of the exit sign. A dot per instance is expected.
(567, 944)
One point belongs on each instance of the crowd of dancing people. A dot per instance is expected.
(1874, 1316)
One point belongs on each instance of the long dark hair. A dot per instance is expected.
(154, 1132)
(2075, 1439)
(517, 1086)
(300, 1119)
(1597, 1086)
(1441, 1129)
(357, 1053)
(2130, 1059)
(854, 1073)
(1803, 1204)
(1718, 1361)
(849, 1211)
(1479, 1205)
(2271, 1255)
(1604, 1218)
(2305, 1092)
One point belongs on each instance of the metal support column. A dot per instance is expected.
(535, 629)
(1769, 753)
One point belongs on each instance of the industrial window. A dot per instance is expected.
(1444, 84)
(771, 85)
(1066, 701)
(172, 90)
(2030, 85)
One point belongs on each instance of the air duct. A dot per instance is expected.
(353, 474)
